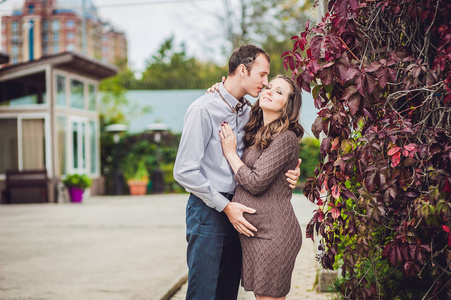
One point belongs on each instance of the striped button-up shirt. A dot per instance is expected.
(200, 166)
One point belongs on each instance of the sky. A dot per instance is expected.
(147, 23)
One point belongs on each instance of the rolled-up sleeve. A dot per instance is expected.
(280, 154)
(197, 131)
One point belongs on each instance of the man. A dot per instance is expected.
(212, 220)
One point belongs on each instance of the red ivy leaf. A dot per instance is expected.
(335, 212)
(393, 151)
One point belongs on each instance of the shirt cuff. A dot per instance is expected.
(219, 202)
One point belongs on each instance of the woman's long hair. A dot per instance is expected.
(260, 136)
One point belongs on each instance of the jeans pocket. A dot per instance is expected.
(262, 223)
(197, 210)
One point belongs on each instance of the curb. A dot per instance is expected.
(174, 287)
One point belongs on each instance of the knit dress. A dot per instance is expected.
(269, 256)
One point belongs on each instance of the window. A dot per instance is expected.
(70, 47)
(70, 36)
(56, 25)
(14, 26)
(70, 24)
(9, 150)
(92, 97)
(56, 48)
(77, 94)
(31, 9)
(15, 38)
(46, 37)
(15, 50)
(93, 144)
(60, 90)
(78, 146)
(46, 49)
(46, 25)
(61, 129)
(56, 37)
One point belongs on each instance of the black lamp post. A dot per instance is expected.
(117, 129)
(157, 175)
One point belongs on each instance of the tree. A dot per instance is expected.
(379, 72)
(171, 68)
(267, 23)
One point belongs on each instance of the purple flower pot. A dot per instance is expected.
(76, 194)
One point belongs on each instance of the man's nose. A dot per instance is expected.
(265, 81)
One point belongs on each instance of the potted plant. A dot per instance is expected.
(76, 184)
(136, 174)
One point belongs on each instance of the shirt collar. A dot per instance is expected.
(232, 101)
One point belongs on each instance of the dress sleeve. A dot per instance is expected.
(280, 154)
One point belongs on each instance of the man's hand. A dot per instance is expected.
(293, 175)
(234, 212)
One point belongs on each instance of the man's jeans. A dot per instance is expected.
(213, 255)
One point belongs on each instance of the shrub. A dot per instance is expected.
(379, 72)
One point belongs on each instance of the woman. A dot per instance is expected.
(272, 148)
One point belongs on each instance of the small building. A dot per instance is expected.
(49, 117)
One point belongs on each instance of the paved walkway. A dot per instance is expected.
(110, 248)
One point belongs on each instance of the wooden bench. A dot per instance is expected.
(26, 186)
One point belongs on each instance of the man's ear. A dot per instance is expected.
(243, 70)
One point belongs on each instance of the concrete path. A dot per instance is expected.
(111, 248)
(105, 248)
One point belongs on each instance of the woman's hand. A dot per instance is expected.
(228, 139)
(215, 87)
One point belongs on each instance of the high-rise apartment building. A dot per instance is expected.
(45, 27)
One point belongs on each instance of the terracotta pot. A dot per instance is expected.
(137, 187)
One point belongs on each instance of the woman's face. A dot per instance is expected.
(275, 95)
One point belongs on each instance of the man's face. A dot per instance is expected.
(257, 78)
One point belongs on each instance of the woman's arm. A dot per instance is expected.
(272, 161)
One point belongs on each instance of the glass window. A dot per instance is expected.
(29, 90)
(83, 146)
(33, 144)
(31, 9)
(70, 47)
(56, 37)
(79, 146)
(8, 145)
(14, 26)
(56, 25)
(75, 144)
(56, 48)
(46, 37)
(61, 129)
(70, 36)
(15, 37)
(15, 50)
(77, 94)
(46, 49)
(92, 97)
(46, 25)
(60, 90)
(93, 144)
(70, 24)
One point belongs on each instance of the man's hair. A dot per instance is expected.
(245, 55)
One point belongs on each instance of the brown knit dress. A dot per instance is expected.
(269, 256)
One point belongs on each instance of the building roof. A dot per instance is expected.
(72, 62)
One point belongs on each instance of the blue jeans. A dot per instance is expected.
(213, 255)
